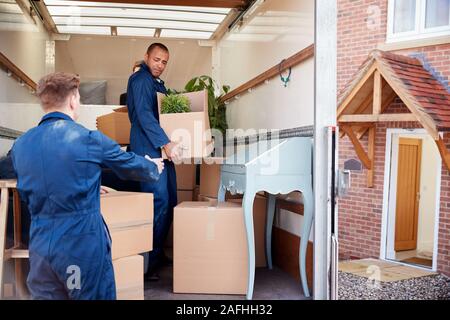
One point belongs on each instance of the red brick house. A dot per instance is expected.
(394, 118)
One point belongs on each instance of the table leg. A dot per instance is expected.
(270, 215)
(248, 219)
(221, 194)
(307, 223)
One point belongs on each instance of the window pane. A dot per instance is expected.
(404, 15)
(437, 13)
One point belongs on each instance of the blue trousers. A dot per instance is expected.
(164, 200)
(70, 258)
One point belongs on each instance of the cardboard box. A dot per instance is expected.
(186, 176)
(210, 176)
(129, 277)
(185, 195)
(259, 225)
(210, 251)
(129, 216)
(191, 129)
(115, 125)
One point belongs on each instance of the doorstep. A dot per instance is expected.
(382, 270)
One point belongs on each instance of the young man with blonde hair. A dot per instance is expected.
(58, 169)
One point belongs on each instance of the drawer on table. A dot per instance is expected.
(234, 168)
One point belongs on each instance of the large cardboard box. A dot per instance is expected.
(259, 225)
(129, 216)
(210, 251)
(129, 277)
(186, 176)
(115, 125)
(190, 129)
(210, 176)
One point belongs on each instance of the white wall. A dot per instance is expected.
(277, 30)
(430, 161)
(28, 115)
(111, 58)
(25, 46)
(427, 207)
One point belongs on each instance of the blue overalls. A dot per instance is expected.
(147, 137)
(58, 168)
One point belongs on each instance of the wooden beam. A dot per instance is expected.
(196, 3)
(445, 154)
(386, 103)
(376, 93)
(387, 117)
(371, 154)
(292, 61)
(358, 147)
(4, 201)
(17, 73)
(8, 183)
(355, 90)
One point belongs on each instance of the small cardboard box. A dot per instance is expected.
(186, 176)
(115, 125)
(129, 216)
(210, 248)
(191, 129)
(210, 176)
(129, 277)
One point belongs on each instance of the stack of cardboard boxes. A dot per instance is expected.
(209, 238)
(129, 217)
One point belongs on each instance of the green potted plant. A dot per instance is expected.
(216, 108)
(175, 103)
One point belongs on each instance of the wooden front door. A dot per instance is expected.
(408, 184)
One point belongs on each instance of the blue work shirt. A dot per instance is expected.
(58, 167)
(146, 136)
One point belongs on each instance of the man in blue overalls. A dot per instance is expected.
(58, 167)
(147, 137)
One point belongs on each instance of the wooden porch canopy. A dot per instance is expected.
(380, 79)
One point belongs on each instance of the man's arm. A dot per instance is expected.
(126, 165)
(143, 99)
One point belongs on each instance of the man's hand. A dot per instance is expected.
(159, 163)
(173, 151)
(104, 190)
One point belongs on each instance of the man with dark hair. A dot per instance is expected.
(147, 137)
(58, 167)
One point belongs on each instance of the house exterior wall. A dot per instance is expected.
(362, 28)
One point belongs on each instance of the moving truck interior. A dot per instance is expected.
(277, 57)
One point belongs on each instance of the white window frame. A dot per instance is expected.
(419, 32)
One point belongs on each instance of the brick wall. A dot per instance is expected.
(361, 27)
